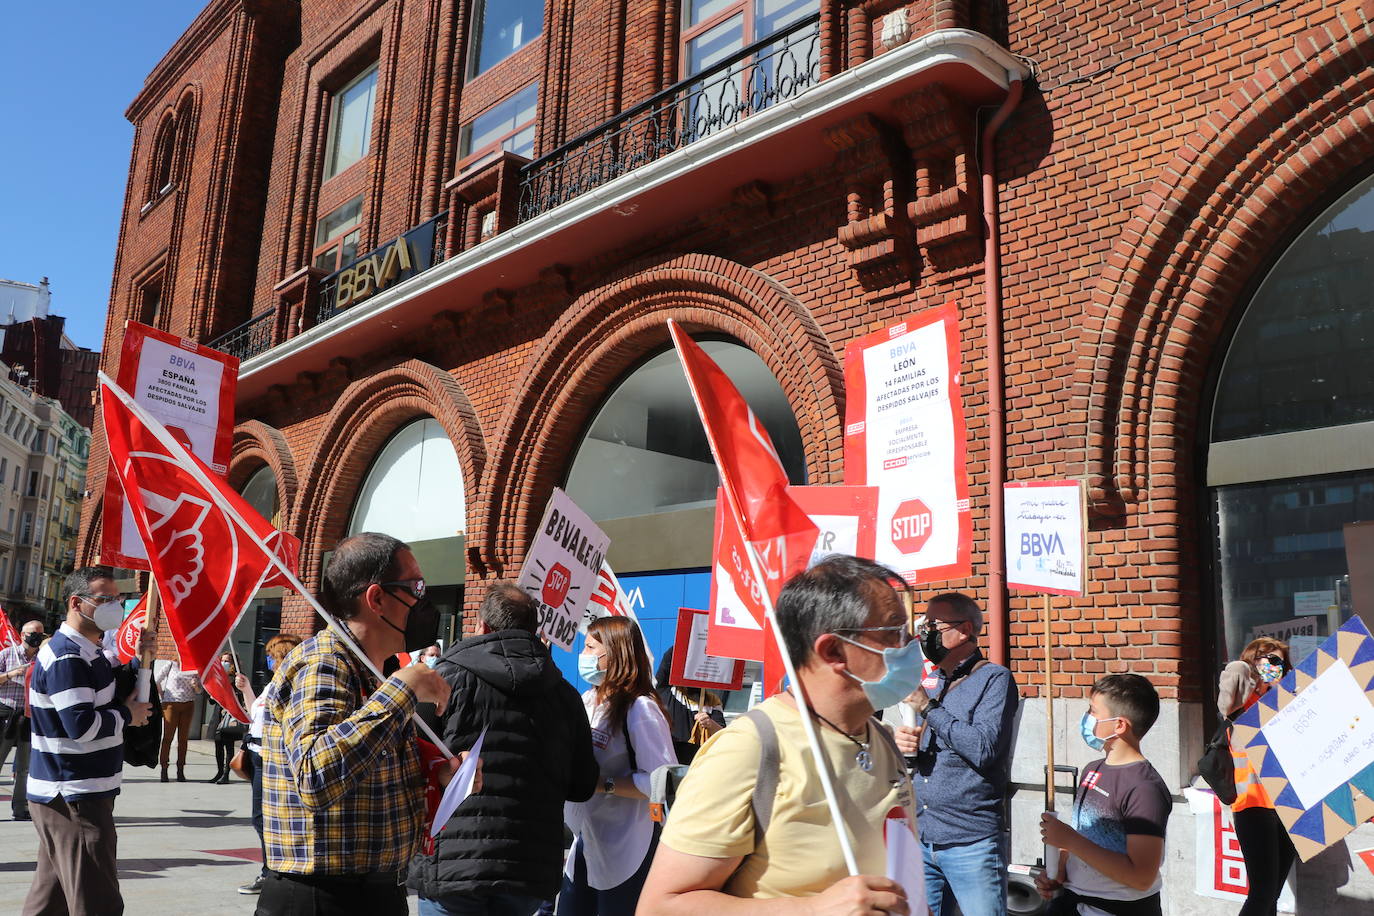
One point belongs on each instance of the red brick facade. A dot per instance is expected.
(1156, 164)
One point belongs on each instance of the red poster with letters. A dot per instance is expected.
(693, 664)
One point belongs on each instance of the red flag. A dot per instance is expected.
(608, 599)
(9, 636)
(217, 684)
(205, 562)
(126, 638)
(755, 486)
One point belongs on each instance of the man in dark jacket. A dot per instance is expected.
(502, 852)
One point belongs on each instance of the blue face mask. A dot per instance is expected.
(1088, 726)
(587, 669)
(902, 677)
(271, 663)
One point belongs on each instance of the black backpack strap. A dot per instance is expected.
(766, 782)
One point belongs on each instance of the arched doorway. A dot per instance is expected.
(1290, 448)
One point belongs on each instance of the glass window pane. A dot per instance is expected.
(1285, 550)
(351, 133)
(645, 451)
(521, 143)
(260, 492)
(349, 249)
(715, 45)
(775, 15)
(698, 11)
(503, 27)
(488, 128)
(339, 221)
(414, 489)
(1301, 355)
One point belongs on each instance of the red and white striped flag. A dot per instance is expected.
(206, 563)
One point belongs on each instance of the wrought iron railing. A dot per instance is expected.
(424, 249)
(254, 336)
(777, 68)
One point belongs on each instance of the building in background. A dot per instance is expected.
(21, 301)
(444, 239)
(40, 354)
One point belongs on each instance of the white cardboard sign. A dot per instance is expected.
(562, 566)
(1045, 528)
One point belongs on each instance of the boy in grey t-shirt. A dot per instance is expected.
(1115, 845)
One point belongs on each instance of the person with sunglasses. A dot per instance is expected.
(1264, 843)
(963, 761)
(343, 786)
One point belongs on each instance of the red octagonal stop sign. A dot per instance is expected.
(556, 584)
(911, 525)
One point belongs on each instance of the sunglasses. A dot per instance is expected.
(414, 587)
(1275, 660)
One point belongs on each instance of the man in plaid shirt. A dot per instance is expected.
(343, 788)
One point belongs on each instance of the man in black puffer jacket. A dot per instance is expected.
(502, 851)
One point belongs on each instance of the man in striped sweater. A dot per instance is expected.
(78, 753)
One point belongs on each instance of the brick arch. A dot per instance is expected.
(1221, 213)
(257, 445)
(609, 329)
(364, 417)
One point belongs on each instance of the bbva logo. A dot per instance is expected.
(1034, 544)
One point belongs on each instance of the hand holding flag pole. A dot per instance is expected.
(189, 465)
(751, 456)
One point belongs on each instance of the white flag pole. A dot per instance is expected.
(177, 451)
(803, 708)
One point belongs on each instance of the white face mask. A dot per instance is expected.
(108, 613)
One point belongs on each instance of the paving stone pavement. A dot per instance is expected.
(184, 848)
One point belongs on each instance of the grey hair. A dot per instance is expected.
(78, 581)
(964, 606)
(835, 594)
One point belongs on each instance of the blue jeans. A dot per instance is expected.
(974, 874)
(578, 898)
(474, 905)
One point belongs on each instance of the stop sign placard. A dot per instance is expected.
(556, 583)
(911, 526)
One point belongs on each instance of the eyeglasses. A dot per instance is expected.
(933, 626)
(903, 634)
(414, 587)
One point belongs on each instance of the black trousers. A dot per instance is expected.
(1268, 853)
(322, 895)
(14, 734)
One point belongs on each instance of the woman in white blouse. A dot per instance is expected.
(615, 836)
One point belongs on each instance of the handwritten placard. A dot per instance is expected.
(1324, 734)
(693, 665)
(1045, 536)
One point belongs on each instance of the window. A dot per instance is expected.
(26, 531)
(9, 524)
(1290, 461)
(414, 489)
(15, 486)
(508, 126)
(164, 159)
(645, 451)
(338, 235)
(713, 30)
(350, 123)
(33, 484)
(150, 304)
(4, 467)
(47, 486)
(21, 572)
(501, 28)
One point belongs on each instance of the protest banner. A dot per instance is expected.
(1045, 527)
(844, 516)
(904, 434)
(1219, 865)
(608, 600)
(126, 637)
(9, 636)
(1311, 740)
(190, 389)
(776, 536)
(562, 567)
(693, 664)
(229, 513)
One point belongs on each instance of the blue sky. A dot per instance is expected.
(68, 72)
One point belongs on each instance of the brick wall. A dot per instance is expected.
(1160, 160)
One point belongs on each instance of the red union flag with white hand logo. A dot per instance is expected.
(9, 636)
(126, 638)
(755, 486)
(216, 682)
(206, 566)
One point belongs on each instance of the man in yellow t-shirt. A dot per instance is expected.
(846, 630)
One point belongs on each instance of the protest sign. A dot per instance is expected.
(1311, 740)
(126, 637)
(1219, 865)
(460, 786)
(737, 616)
(562, 567)
(904, 434)
(843, 515)
(1286, 630)
(189, 389)
(693, 664)
(1045, 525)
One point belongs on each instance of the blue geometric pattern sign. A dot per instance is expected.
(1313, 746)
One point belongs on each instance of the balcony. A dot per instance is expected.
(693, 153)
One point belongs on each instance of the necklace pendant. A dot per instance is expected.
(864, 759)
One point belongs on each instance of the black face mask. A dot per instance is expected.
(33, 640)
(934, 647)
(422, 626)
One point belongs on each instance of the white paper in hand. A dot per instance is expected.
(459, 787)
(905, 863)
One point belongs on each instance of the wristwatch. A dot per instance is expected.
(608, 787)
